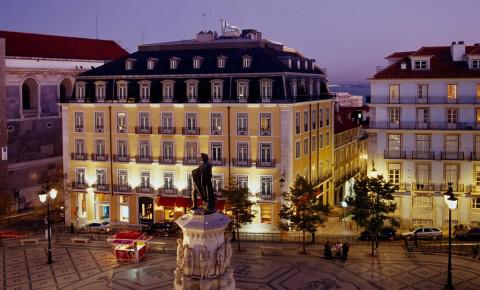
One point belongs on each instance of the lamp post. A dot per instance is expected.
(45, 197)
(451, 202)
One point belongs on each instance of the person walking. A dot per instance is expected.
(327, 251)
(345, 249)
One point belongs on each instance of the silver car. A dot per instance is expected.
(423, 233)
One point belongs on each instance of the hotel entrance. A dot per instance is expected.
(145, 210)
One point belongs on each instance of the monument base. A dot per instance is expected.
(224, 282)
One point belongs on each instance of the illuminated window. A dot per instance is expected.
(216, 123)
(394, 94)
(265, 124)
(246, 61)
(451, 93)
(394, 173)
(121, 122)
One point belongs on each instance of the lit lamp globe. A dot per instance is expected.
(53, 193)
(452, 202)
(42, 195)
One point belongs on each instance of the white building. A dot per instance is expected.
(423, 133)
(344, 99)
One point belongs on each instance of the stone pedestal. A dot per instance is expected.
(204, 254)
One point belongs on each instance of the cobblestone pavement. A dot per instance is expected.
(87, 267)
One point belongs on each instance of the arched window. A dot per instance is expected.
(26, 95)
(30, 97)
(66, 89)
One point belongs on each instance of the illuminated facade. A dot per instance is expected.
(136, 127)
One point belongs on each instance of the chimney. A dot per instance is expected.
(457, 50)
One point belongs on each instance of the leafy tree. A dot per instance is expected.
(372, 204)
(302, 210)
(238, 207)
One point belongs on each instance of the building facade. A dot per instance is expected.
(344, 99)
(135, 128)
(423, 132)
(38, 70)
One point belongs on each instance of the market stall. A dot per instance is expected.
(135, 251)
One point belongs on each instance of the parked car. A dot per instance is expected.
(423, 233)
(471, 235)
(385, 234)
(163, 228)
(97, 227)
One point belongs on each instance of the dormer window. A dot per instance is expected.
(246, 61)
(192, 90)
(197, 62)
(174, 62)
(242, 90)
(475, 63)
(266, 88)
(305, 63)
(129, 63)
(144, 91)
(122, 90)
(151, 62)
(221, 61)
(420, 64)
(298, 63)
(167, 90)
(217, 90)
(80, 91)
(289, 63)
(100, 90)
(293, 88)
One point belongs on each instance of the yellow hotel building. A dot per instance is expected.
(135, 128)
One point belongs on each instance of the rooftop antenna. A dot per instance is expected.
(204, 15)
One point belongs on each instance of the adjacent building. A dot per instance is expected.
(35, 72)
(344, 99)
(423, 132)
(135, 127)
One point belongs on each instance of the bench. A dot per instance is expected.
(265, 250)
(160, 245)
(80, 240)
(28, 241)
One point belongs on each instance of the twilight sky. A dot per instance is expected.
(348, 37)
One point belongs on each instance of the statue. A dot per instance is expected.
(220, 269)
(180, 252)
(228, 253)
(204, 263)
(202, 183)
(187, 261)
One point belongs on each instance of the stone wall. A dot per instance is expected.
(13, 102)
(48, 100)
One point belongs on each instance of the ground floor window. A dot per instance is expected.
(81, 205)
(124, 209)
(266, 213)
(169, 213)
(476, 202)
(102, 207)
(145, 210)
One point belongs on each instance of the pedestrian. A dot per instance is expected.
(345, 248)
(327, 251)
(338, 249)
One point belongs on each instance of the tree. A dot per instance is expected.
(302, 210)
(238, 207)
(372, 204)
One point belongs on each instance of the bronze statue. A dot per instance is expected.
(202, 183)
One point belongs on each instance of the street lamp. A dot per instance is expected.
(451, 202)
(45, 197)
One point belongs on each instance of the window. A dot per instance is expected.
(452, 144)
(297, 122)
(100, 91)
(99, 122)
(129, 64)
(420, 64)
(314, 119)
(80, 91)
(122, 90)
(266, 89)
(191, 121)
(151, 62)
(293, 88)
(314, 143)
(476, 147)
(422, 176)
(422, 201)
(394, 173)
(477, 113)
(217, 182)
(168, 180)
(144, 121)
(305, 121)
(242, 153)
(305, 146)
(101, 177)
(217, 90)
(297, 149)
(197, 62)
(122, 148)
(478, 93)
(221, 61)
(216, 123)
(167, 120)
(422, 93)
(242, 181)
(124, 209)
(122, 177)
(452, 117)
(80, 176)
(121, 122)
(174, 63)
(310, 88)
(394, 94)
(320, 118)
(144, 91)
(327, 117)
(242, 90)
(320, 141)
(79, 122)
(246, 61)
(423, 118)
(394, 116)
(167, 151)
(477, 178)
(451, 173)
(242, 124)
(475, 63)
(167, 90)
(145, 179)
(265, 152)
(144, 150)
(327, 138)
(191, 150)
(476, 202)
(422, 144)
(216, 152)
(100, 147)
(451, 94)
(192, 90)
(266, 186)
(265, 124)
(79, 147)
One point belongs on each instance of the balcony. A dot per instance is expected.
(167, 160)
(122, 188)
(425, 100)
(216, 131)
(423, 126)
(265, 132)
(102, 187)
(423, 155)
(99, 129)
(242, 99)
(242, 162)
(265, 163)
(78, 156)
(166, 130)
(265, 196)
(325, 175)
(394, 154)
(144, 189)
(143, 159)
(79, 185)
(191, 161)
(457, 187)
(425, 186)
(266, 99)
(475, 156)
(242, 131)
(99, 157)
(121, 129)
(191, 130)
(404, 186)
(447, 155)
(167, 99)
(218, 161)
(121, 158)
(79, 129)
(143, 130)
(168, 191)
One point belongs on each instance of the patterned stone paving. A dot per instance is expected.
(95, 268)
